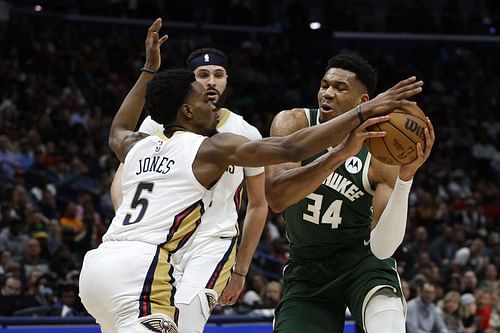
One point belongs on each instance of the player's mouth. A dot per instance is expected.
(213, 94)
(326, 108)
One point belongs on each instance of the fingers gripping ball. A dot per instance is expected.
(404, 130)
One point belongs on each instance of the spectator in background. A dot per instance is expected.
(272, 295)
(423, 315)
(478, 261)
(68, 304)
(5, 258)
(71, 223)
(469, 282)
(10, 295)
(495, 314)
(255, 289)
(8, 160)
(450, 312)
(11, 286)
(270, 299)
(13, 238)
(444, 246)
(468, 313)
(32, 260)
(484, 308)
(420, 242)
(491, 280)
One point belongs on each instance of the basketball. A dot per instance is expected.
(404, 130)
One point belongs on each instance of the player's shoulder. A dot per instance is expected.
(289, 121)
(297, 115)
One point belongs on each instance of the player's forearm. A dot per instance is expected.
(130, 110)
(286, 187)
(294, 147)
(253, 225)
(390, 229)
(312, 140)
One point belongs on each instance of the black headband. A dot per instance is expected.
(207, 59)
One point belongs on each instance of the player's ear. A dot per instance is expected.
(364, 98)
(187, 111)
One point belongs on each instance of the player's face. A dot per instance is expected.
(213, 78)
(204, 115)
(338, 93)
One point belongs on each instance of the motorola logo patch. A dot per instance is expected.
(353, 164)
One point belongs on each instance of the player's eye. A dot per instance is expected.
(324, 85)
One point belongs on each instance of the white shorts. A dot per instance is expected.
(122, 281)
(206, 263)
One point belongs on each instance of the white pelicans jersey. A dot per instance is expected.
(221, 216)
(162, 199)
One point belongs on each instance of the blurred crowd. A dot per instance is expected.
(63, 81)
(429, 16)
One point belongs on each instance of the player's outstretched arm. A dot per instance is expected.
(121, 136)
(223, 149)
(390, 202)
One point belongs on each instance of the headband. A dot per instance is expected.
(207, 59)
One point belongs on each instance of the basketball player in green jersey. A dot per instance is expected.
(345, 215)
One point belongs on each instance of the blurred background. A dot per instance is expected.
(66, 65)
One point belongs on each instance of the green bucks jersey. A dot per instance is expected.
(338, 214)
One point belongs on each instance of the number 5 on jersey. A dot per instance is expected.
(138, 201)
(331, 215)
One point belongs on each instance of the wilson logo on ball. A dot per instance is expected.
(404, 130)
(415, 128)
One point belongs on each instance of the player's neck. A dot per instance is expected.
(172, 128)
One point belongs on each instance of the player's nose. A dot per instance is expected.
(329, 93)
(211, 80)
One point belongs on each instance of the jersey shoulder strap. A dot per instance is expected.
(312, 116)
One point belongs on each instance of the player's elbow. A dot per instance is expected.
(276, 206)
(384, 249)
(113, 143)
(381, 253)
(275, 201)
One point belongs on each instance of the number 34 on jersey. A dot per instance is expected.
(331, 215)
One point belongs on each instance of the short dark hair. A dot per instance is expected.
(365, 72)
(166, 92)
(204, 50)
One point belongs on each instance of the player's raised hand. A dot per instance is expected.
(353, 142)
(394, 97)
(153, 44)
(407, 171)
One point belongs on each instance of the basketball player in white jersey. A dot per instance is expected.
(127, 283)
(207, 267)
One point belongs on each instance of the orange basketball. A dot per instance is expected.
(404, 130)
